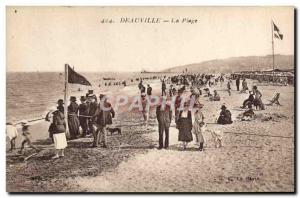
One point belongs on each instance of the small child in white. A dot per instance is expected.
(217, 137)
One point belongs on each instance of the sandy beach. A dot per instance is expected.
(258, 155)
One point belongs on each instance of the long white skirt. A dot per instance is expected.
(60, 140)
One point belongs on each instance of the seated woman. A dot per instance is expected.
(225, 116)
(249, 100)
(215, 97)
(248, 114)
(207, 92)
(258, 99)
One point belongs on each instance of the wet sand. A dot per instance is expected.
(246, 163)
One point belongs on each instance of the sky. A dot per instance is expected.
(46, 38)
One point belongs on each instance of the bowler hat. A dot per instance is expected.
(223, 107)
(83, 98)
(60, 101)
(73, 98)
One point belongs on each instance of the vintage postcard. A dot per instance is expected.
(150, 99)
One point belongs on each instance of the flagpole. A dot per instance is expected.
(65, 99)
(273, 47)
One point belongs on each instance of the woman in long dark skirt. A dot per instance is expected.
(185, 125)
(73, 121)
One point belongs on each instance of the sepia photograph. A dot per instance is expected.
(150, 99)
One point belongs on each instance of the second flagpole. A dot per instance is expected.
(273, 48)
(65, 100)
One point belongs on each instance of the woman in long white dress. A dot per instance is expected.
(198, 126)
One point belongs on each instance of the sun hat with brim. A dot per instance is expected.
(223, 107)
(90, 95)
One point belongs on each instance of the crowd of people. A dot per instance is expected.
(91, 117)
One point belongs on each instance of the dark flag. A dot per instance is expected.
(76, 78)
(277, 33)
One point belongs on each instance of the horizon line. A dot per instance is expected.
(187, 64)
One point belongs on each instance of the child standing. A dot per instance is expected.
(27, 137)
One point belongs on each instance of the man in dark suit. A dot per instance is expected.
(149, 90)
(91, 110)
(83, 111)
(164, 117)
(237, 84)
(104, 115)
(60, 106)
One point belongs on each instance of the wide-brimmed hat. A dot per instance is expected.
(73, 98)
(90, 95)
(83, 98)
(223, 107)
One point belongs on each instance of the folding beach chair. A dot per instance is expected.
(275, 100)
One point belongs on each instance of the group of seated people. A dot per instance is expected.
(254, 99)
